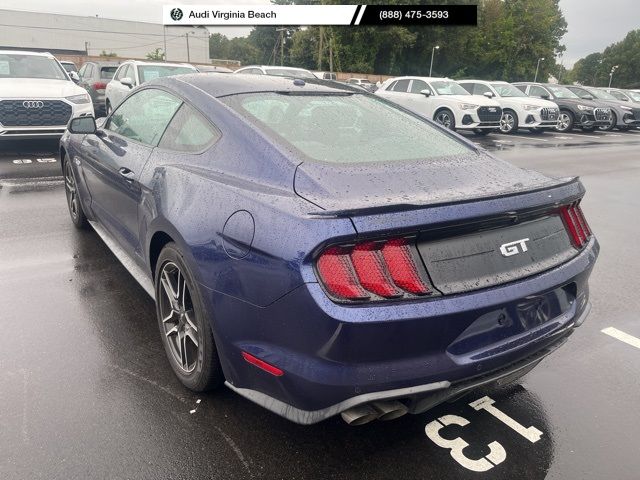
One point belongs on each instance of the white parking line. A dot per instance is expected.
(530, 138)
(575, 135)
(623, 337)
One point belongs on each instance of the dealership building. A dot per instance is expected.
(74, 36)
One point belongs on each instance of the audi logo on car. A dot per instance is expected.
(33, 104)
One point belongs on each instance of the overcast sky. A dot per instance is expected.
(593, 24)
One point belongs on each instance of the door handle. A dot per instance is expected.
(127, 174)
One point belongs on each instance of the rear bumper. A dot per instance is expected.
(336, 356)
(419, 398)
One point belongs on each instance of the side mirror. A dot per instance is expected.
(74, 76)
(488, 94)
(82, 125)
(587, 97)
(545, 96)
(127, 81)
(426, 92)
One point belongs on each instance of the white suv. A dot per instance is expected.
(518, 109)
(132, 73)
(37, 96)
(444, 101)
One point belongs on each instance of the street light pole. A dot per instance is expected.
(613, 69)
(433, 51)
(535, 79)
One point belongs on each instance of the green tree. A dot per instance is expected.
(157, 54)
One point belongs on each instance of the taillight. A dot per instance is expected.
(372, 270)
(99, 85)
(576, 224)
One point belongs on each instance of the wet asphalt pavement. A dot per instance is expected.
(86, 390)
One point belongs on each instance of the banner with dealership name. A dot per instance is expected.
(232, 15)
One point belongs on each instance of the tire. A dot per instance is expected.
(537, 131)
(509, 122)
(193, 356)
(565, 121)
(445, 118)
(612, 124)
(624, 129)
(74, 204)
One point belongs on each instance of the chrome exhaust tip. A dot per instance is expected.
(390, 409)
(359, 415)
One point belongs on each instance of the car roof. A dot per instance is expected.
(427, 79)
(223, 85)
(27, 52)
(266, 67)
(482, 81)
(169, 64)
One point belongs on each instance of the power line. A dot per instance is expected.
(95, 31)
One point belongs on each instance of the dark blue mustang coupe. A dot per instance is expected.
(322, 251)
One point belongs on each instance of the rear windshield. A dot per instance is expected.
(149, 72)
(345, 128)
(108, 72)
(15, 65)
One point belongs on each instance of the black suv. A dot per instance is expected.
(574, 111)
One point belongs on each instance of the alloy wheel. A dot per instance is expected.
(71, 190)
(444, 119)
(507, 122)
(563, 122)
(178, 317)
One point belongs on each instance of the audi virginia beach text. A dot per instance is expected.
(323, 251)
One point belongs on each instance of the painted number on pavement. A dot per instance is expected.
(497, 454)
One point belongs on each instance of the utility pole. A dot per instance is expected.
(320, 48)
(164, 39)
(331, 54)
(281, 30)
(535, 79)
(188, 53)
(433, 51)
(613, 69)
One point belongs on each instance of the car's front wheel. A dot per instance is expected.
(445, 118)
(509, 122)
(73, 200)
(611, 125)
(565, 121)
(184, 328)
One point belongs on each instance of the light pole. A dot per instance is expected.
(613, 69)
(535, 79)
(433, 51)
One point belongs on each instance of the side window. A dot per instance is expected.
(128, 73)
(82, 70)
(536, 91)
(418, 85)
(619, 96)
(144, 116)
(189, 131)
(467, 86)
(252, 71)
(480, 89)
(401, 86)
(119, 72)
(391, 85)
(522, 88)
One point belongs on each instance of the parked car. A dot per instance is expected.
(364, 83)
(276, 71)
(326, 75)
(623, 116)
(574, 111)
(518, 109)
(69, 66)
(212, 69)
(624, 95)
(406, 267)
(444, 101)
(37, 96)
(132, 73)
(94, 77)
